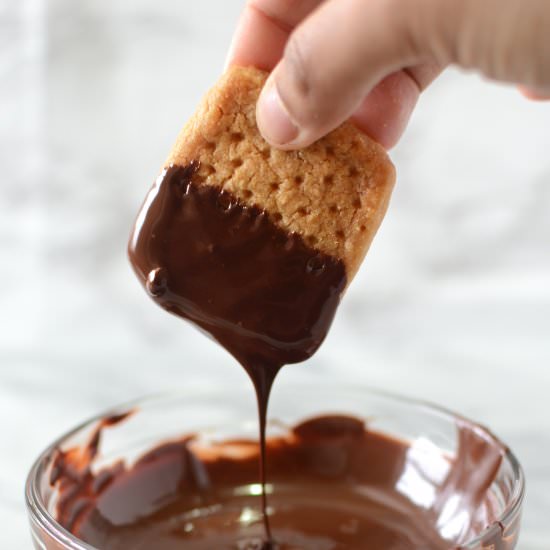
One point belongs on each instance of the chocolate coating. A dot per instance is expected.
(264, 294)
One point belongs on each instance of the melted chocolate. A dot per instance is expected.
(263, 294)
(334, 485)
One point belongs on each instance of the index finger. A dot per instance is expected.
(263, 31)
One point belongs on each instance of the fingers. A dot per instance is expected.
(263, 30)
(506, 40)
(385, 112)
(260, 39)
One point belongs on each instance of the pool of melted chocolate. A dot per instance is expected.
(333, 484)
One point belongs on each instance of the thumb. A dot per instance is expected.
(337, 55)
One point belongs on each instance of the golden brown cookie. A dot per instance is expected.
(333, 194)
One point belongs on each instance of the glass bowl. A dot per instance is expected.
(216, 414)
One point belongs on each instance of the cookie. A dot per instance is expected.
(333, 194)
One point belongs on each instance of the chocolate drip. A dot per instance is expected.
(262, 293)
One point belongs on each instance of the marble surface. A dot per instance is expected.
(452, 305)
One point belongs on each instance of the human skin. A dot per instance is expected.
(369, 60)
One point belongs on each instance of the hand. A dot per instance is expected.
(371, 59)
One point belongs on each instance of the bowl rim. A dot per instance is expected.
(38, 514)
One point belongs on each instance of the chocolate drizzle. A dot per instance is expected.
(265, 295)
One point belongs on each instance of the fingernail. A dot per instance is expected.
(273, 119)
(536, 94)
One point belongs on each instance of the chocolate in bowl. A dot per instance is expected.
(180, 471)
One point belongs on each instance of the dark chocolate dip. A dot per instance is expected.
(265, 295)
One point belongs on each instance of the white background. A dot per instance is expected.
(452, 304)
